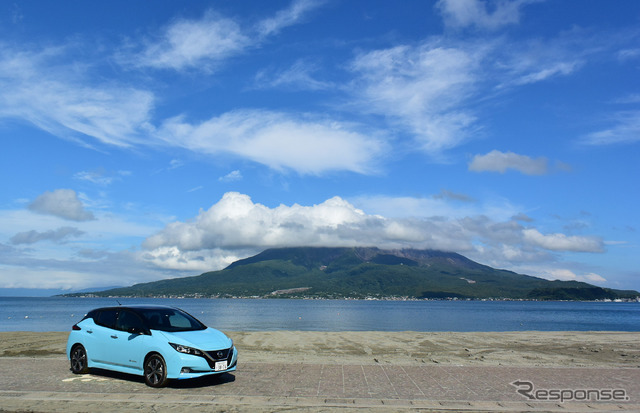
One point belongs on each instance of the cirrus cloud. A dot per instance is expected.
(287, 17)
(423, 89)
(625, 129)
(206, 42)
(194, 43)
(60, 99)
(464, 13)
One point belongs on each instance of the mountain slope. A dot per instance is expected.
(366, 272)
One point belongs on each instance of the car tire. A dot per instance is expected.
(78, 360)
(155, 371)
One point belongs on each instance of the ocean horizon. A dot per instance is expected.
(60, 313)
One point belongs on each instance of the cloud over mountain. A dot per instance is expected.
(236, 226)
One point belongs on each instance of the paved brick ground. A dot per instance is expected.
(46, 385)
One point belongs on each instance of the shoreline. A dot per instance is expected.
(516, 348)
(280, 295)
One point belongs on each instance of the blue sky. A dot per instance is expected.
(143, 141)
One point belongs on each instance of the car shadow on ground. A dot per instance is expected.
(206, 381)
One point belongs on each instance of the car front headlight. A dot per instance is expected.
(186, 350)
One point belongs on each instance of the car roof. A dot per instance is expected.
(138, 307)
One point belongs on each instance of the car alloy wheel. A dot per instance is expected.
(79, 360)
(155, 371)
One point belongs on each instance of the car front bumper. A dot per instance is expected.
(186, 366)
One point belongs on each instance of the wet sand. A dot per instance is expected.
(532, 348)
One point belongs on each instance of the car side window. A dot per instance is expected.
(128, 321)
(107, 318)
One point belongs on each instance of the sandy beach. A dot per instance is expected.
(534, 348)
(339, 371)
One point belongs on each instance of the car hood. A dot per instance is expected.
(208, 339)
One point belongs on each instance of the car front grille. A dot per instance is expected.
(219, 355)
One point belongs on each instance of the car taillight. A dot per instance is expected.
(75, 327)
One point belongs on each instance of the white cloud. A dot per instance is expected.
(594, 278)
(562, 242)
(63, 203)
(231, 177)
(521, 63)
(235, 223)
(175, 164)
(422, 88)
(279, 141)
(496, 161)
(631, 98)
(58, 99)
(196, 188)
(568, 275)
(464, 13)
(194, 44)
(236, 227)
(204, 43)
(420, 207)
(207, 260)
(553, 69)
(100, 177)
(629, 54)
(434, 90)
(625, 130)
(287, 17)
(299, 77)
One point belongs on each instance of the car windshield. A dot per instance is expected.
(170, 319)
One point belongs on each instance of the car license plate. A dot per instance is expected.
(221, 365)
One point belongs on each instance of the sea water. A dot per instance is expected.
(60, 313)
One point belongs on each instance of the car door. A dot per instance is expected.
(105, 321)
(127, 340)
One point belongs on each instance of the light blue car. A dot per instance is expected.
(157, 342)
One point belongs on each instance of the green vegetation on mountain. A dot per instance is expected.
(366, 272)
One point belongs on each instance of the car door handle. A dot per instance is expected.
(90, 331)
(114, 336)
